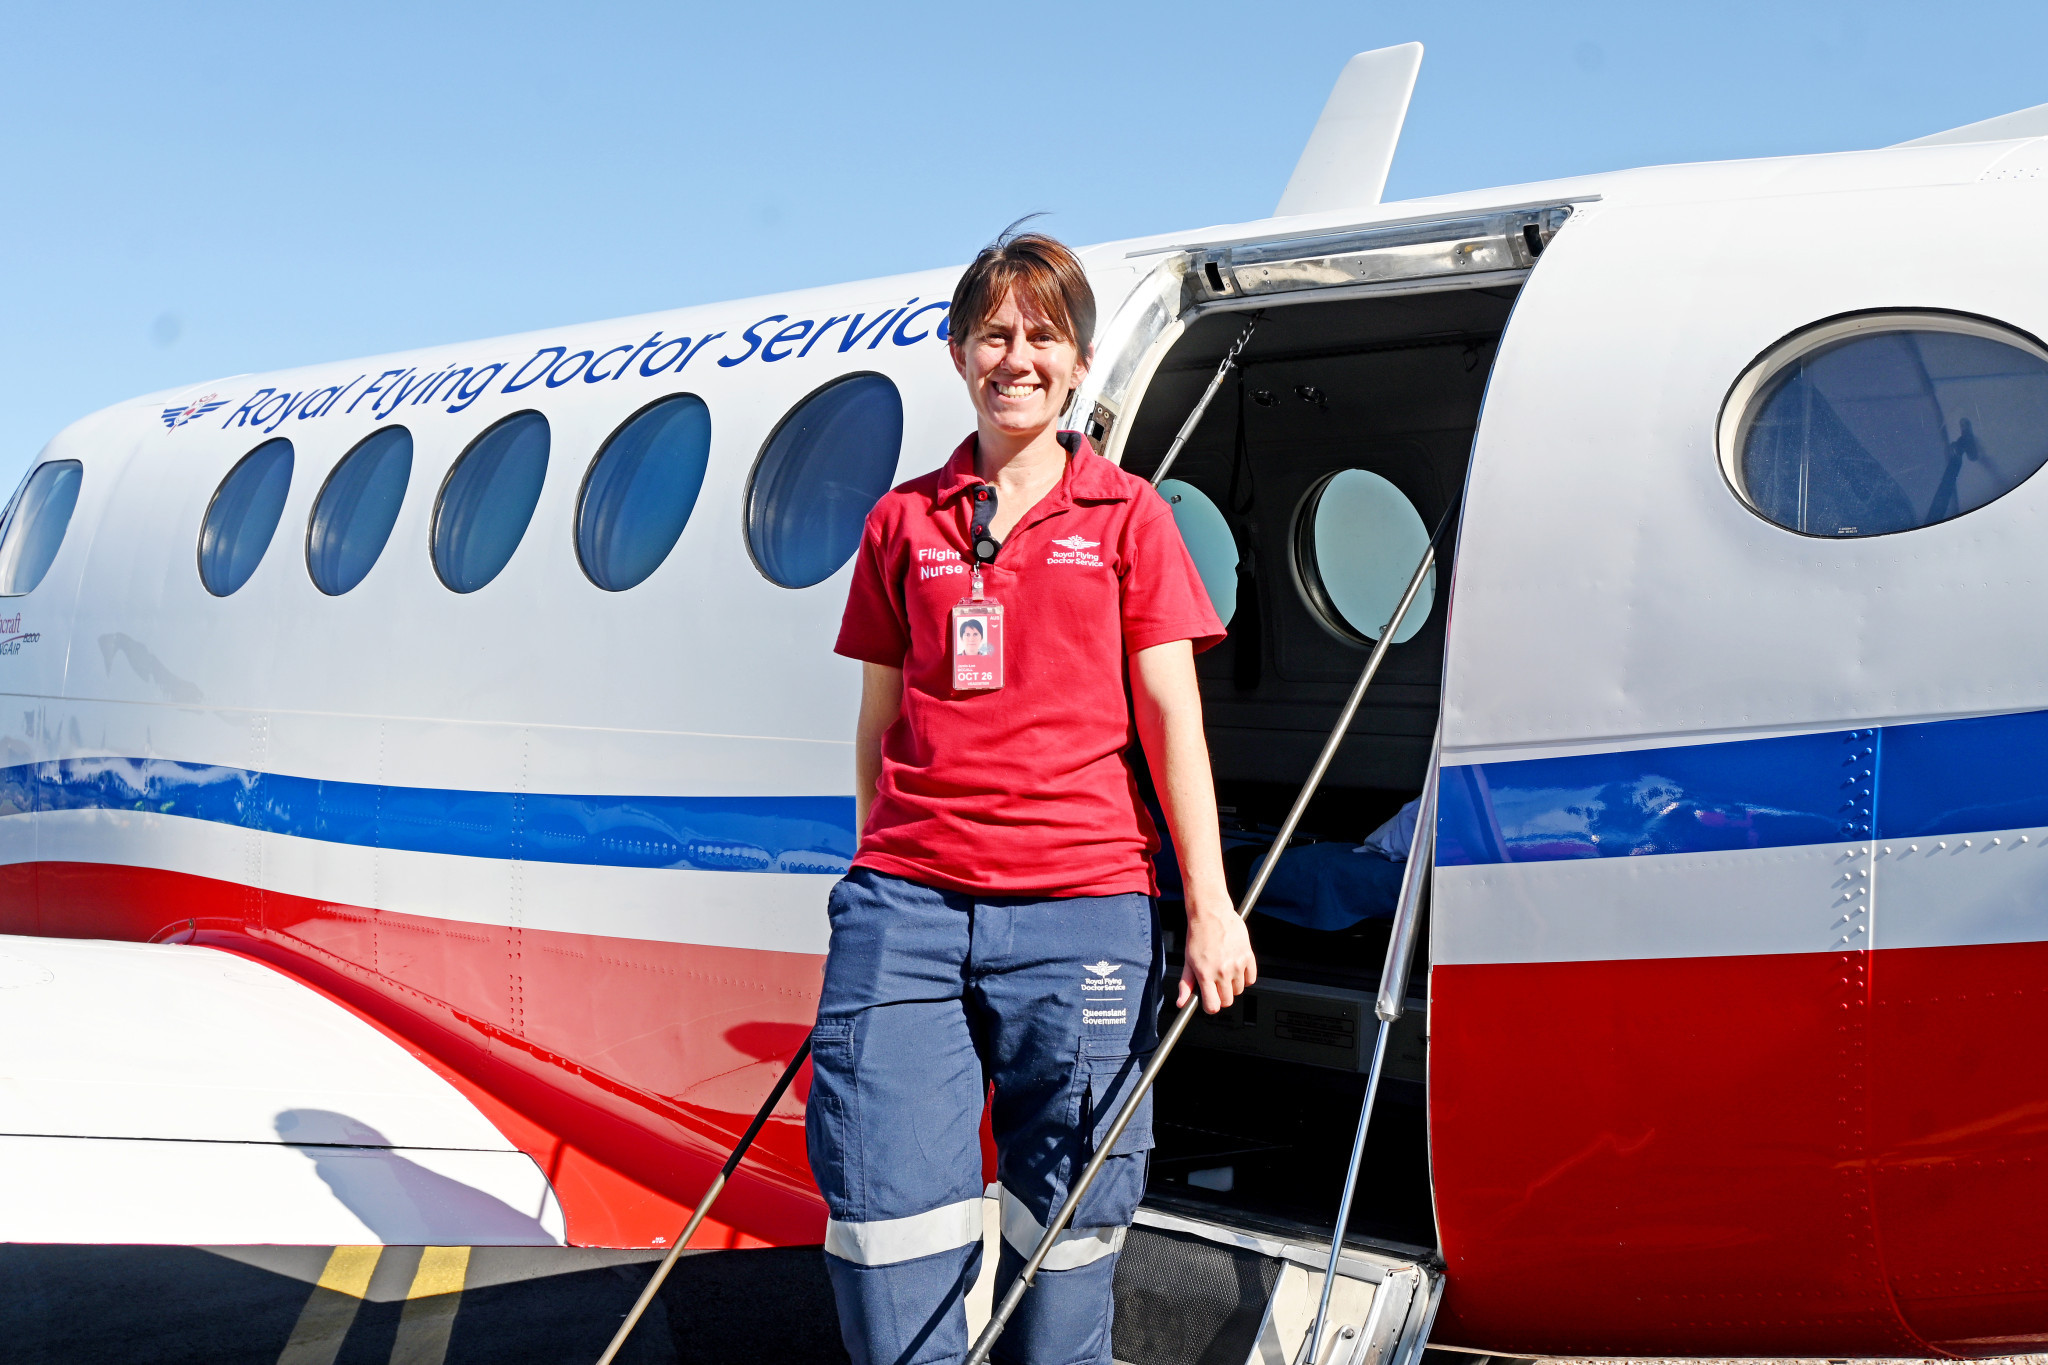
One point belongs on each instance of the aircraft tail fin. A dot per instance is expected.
(1352, 146)
(2020, 123)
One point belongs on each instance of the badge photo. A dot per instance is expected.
(977, 641)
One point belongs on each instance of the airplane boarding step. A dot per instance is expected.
(1194, 1292)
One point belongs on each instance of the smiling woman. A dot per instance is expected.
(1005, 785)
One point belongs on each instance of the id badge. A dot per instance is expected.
(977, 637)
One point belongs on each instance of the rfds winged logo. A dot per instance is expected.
(192, 411)
(1075, 550)
(1102, 976)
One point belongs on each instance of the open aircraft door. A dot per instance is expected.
(1739, 905)
(1319, 316)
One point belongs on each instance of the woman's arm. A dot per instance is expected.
(1218, 961)
(881, 701)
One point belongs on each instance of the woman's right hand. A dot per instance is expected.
(1218, 963)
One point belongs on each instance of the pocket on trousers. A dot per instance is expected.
(1107, 1074)
(830, 1109)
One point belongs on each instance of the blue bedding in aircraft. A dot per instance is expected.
(1326, 886)
(1331, 886)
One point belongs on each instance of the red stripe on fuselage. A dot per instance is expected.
(1815, 1154)
(625, 1068)
(1959, 1141)
(1821, 1154)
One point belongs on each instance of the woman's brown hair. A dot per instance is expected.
(1046, 277)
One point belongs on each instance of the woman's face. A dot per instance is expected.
(1018, 369)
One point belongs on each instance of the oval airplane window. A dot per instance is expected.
(1884, 422)
(242, 517)
(488, 500)
(640, 491)
(1357, 540)
(34, 524)
(353, 516)
(1206, 533)
(823, 470)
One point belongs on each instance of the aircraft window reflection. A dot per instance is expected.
(1886, 422)
(1356, 544)
(488, 501)
(1210, 544)
(821, 473)
(33, 526)
(242, 518)
(640, 491)
(354, 514)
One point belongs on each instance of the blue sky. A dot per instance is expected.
(196, 190)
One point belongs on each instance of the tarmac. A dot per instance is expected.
(116, 1305)
(97, 1305)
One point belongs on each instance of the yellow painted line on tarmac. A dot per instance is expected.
(331, 1308)
(428, 1318)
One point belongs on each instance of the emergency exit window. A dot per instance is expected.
(1211, 544)
(1884, 422)
(1357, 543)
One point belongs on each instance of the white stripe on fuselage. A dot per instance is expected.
(1747, 902)
(764, 911)
(1958, 889)
(1950, 891)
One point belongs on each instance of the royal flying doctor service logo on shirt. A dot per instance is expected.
(1074, 550)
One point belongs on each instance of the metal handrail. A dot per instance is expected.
(1065, 1213)
(732, 1163)
(1391, 1005)
(1393, 998)
(1187, 428)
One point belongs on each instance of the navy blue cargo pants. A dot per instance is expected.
(931, 997)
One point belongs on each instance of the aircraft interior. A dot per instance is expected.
(1257, 1109)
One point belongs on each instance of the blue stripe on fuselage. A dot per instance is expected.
(1753, 793)
(1959, 776)
(1897, 781)
(1939, 777)
(707, 833)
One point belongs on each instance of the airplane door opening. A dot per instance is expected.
(1346, 431)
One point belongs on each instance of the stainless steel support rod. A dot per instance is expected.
(732, 1164)
(1001, 1317)
(1391, 1005)
(1393, 997)
(1372, 1085)
(1187, 428)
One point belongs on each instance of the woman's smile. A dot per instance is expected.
(1020, 369)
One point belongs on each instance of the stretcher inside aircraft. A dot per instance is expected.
(423, 775)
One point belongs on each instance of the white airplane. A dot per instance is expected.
(423, 775)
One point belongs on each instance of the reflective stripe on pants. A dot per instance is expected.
(889, 1240)
(933, 998)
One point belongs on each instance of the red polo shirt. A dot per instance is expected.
(1028, 789)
